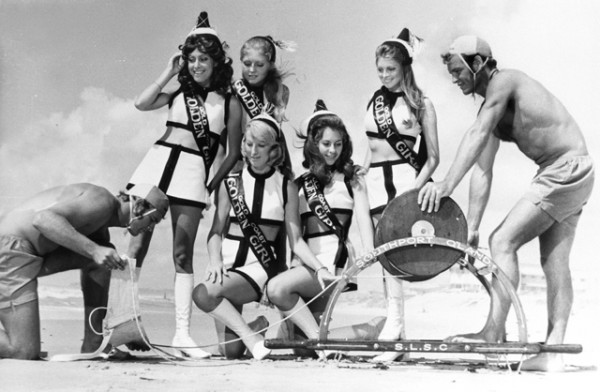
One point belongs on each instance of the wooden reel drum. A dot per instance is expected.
(403, 218)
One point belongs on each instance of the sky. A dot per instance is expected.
(70, 71)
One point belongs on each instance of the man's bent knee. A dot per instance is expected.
(501, 242)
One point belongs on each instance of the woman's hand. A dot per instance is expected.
(175, 64)
(215, 270)
(361, 171)
(324, 277)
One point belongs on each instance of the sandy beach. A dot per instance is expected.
(448, 304)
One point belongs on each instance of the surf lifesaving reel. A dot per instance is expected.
(415, 245)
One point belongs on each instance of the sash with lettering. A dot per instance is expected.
(196, 111)
(382, 113)
(251, 230)
(250, 101)
(318, 205)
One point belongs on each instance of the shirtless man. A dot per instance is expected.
(60, 229)
(519, 109)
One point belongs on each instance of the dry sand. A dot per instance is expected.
(448, 304)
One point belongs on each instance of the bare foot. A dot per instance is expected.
(114, 354)
(390, 356)
(544, 362)
(479, 337)
(466, 338)
(488, 334)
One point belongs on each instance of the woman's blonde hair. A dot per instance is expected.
(412, 93)
(262, 131)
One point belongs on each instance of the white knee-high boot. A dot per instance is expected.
(304, 319)
(226, 313)
(394, 324)
(182, 341)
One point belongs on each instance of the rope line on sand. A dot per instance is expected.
(260, 331)
(172, 358)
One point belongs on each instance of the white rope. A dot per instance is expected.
(270, 325)
(90, 319)
(156, 348)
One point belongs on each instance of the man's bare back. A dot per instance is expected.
(88, 208)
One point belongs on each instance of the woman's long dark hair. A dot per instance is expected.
(220, 80)
(314, 161)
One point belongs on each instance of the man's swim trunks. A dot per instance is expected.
(563, 187)
(19, 268)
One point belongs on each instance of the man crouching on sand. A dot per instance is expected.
(518, 109)
(61, 229)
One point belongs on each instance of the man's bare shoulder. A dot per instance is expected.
(507, 84)
(77, 200)
(86, 206)
(511, 79)
(92, 189)
(94, 194)
(83, 190)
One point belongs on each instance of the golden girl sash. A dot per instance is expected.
(251, 103)
(251, 230)
(318, 205)
(382, 113)
(200, 126)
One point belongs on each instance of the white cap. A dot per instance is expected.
(470, 45)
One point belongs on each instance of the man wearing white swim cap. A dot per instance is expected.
(519, 109)
(60, 229)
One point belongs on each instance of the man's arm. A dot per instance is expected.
(59, 224)
(473, 142)
(430, 137)
(362, 214)
(479, 190)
